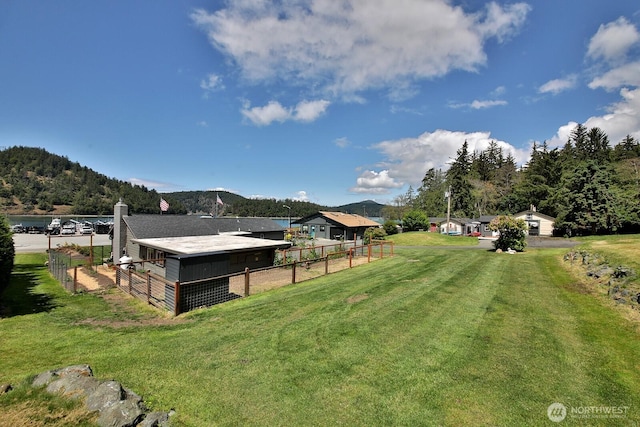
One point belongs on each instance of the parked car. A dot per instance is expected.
(86, 229)
(68, 229)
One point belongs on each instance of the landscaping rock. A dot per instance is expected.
(125, 413)
(73, 387)
(75, 370)
(155, 419)
(602, 271)
(622, 271)
(5, 388)
(116, 405)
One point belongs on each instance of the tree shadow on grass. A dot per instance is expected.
(20, 297)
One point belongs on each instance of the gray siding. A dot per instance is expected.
(201, 267)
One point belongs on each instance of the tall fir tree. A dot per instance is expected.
(459, 181)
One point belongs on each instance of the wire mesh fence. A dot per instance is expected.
(64, 261)
(149, 287)
(59, 265)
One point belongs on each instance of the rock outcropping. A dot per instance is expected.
(116, 405)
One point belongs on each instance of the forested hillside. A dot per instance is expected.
(588, 186)
(34, 181)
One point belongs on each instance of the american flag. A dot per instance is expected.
(219, 201)
(164, 206)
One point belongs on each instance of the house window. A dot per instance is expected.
(322, 228)
(159, 257)
(155, 256)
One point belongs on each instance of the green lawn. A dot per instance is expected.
(428, 337)
(424, 238)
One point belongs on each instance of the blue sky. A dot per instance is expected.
(327, 101)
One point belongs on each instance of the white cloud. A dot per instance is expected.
(212, 83)
(301, 196)
(499, 91)
(395, 109)
(613, 40)
(342, 142)
(372, 182)
(622, 119)
(263, 116)
(478, 105)
(305, 111)
(559, 85)
(624, 75)
(308, 111)
(408, 159)
(350, 46)
(203, 123)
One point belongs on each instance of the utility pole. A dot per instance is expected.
(448, 194)
(288, 207)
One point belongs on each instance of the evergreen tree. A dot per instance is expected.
(586, 202)
(459, 180)
(626, 149)
(430, 195)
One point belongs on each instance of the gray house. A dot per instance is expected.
(187, 248)
(335, 225)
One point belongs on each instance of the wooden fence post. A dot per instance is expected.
(369, 252)
(130, 282)
(176, 299)
(148, 288)
(350, 257)
(75, 279)
(246, 281)
(381, 250)
(293, 272)
(326, 265)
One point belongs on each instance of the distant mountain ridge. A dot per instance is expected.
(36, 182)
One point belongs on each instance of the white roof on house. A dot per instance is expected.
(191, 245)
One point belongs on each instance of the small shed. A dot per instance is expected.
(335, 225)
(207, 260)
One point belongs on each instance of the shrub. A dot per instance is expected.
(373, 233)
(390, 227)
(415, 220)
(512, 233)
(7, 253)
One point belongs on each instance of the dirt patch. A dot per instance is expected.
(124, 310)
(128, 313)
(357, 298)
(102, 277)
